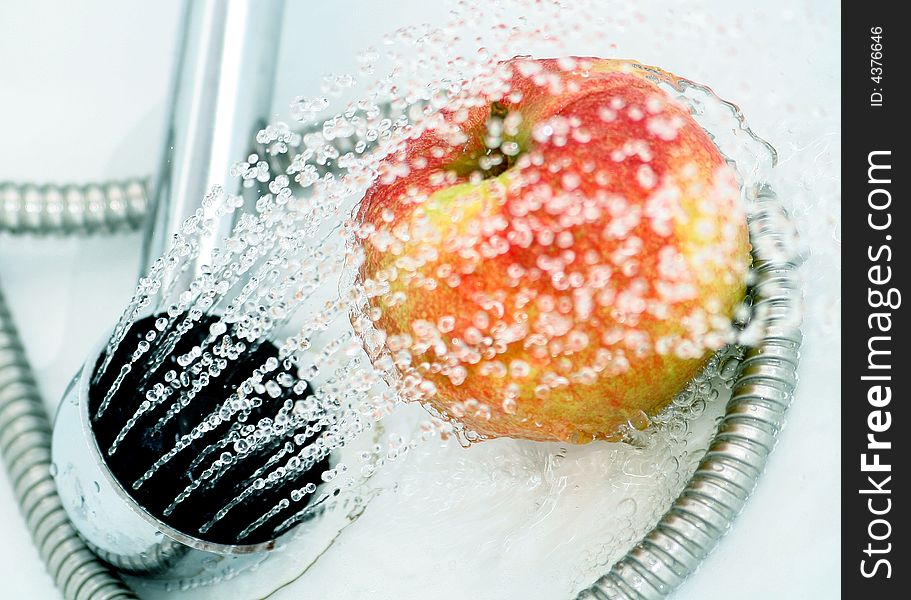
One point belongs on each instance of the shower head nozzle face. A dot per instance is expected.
(150, 434)
(151, 494)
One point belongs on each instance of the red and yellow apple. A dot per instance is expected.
(557, 254)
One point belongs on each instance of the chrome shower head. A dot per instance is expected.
(222, 95)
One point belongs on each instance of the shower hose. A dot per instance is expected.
(659, 563)
(25, 430)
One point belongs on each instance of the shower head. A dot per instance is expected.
(147, 495)
(222, 94)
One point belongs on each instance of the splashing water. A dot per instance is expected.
(269, 386)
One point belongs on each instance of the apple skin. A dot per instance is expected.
(575, 289)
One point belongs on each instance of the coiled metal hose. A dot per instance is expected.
(728, 473)
(25, 438)
(25, 431)
(68, 209)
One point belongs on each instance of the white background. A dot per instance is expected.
(82, 93)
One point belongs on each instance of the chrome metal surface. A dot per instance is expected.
(222, 95)
(737, 454)
(73, 209)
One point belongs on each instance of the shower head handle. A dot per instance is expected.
(222, 94)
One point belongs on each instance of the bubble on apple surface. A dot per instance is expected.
(294, 269)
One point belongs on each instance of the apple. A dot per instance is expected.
(556, 253)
